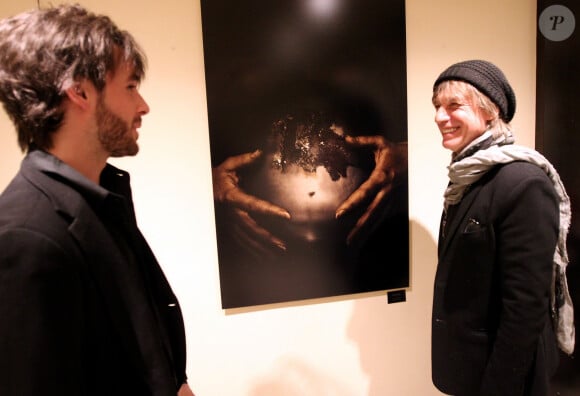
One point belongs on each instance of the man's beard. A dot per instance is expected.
(114, 133)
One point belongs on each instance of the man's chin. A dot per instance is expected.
(127, 152)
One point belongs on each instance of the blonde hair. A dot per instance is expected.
(496, 125)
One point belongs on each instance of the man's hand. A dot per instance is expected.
(185, 390)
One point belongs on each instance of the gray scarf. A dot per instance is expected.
(470, 165)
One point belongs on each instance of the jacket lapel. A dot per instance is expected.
(99, 250)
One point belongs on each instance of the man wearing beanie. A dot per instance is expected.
(501, 306)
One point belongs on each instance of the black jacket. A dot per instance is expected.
(491, 329)
(66, 325)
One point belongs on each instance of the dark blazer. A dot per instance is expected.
(64, 326)
(491, 328)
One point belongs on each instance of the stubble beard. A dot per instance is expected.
(114, 133)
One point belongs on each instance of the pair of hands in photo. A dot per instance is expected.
(390, 159)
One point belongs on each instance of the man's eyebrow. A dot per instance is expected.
(455, 98)
(135, 76)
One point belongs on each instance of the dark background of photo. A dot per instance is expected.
(265, 59)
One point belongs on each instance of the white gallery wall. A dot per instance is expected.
(344, 346)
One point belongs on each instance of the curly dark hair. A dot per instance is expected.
(44, 52)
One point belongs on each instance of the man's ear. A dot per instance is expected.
(77, 94)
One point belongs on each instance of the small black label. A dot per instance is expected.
(396, 296)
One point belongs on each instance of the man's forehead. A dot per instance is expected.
(130, 63)
(449, 94)
(125, 70)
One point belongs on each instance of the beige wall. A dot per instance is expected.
(356, 345)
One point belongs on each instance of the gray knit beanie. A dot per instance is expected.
(487, 78)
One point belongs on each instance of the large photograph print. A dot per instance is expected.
(558, 138)
(308, 129)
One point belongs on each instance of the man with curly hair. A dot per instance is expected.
(85, 308)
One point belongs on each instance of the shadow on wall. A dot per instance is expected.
(396, 355)
(291, 377)
(389, 354)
